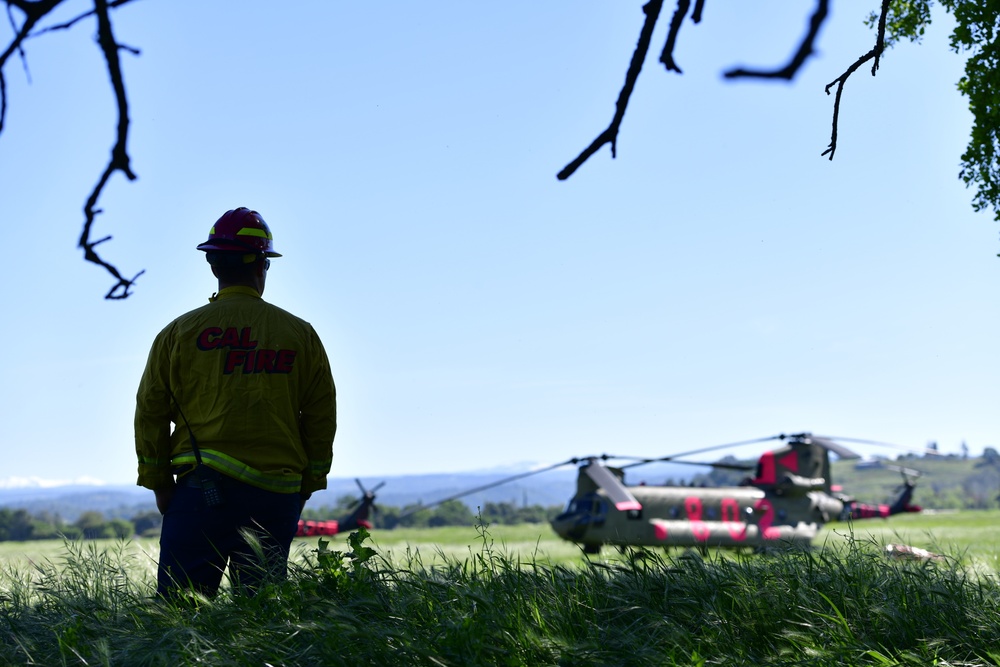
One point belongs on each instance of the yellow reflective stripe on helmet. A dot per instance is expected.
(253, 231)
(229, 466)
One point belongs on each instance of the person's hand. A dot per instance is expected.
(163, 498)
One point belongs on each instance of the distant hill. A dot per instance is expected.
(945, 482)
(547, 489)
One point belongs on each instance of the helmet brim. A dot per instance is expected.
(228, 246)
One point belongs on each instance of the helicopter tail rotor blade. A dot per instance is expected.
(616, 491)
(908, 473)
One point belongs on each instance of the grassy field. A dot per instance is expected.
(969, 536)
(518, 596)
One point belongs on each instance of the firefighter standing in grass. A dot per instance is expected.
(248, 389)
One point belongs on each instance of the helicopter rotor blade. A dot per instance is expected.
(505, 480)
(702, 450)
(717, 464)
(878, 443)
(604, 478)
(828, 443)
(366, 494)
(724, 465)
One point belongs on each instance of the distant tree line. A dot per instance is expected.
(449, 513)
(20, 526)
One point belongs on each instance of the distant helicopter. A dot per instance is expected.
(356, 519)
(785, 502)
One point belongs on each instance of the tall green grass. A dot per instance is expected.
(345, 603)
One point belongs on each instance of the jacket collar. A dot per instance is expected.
(227, 292)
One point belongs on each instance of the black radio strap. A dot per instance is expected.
(187, 424)
(210, 491)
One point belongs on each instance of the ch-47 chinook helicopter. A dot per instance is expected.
(785, 502)
(358, 518)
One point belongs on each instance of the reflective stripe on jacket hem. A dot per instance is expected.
(320, 468)
(229, 466)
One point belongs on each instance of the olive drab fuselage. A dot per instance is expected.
(691, 516)
(785, 503)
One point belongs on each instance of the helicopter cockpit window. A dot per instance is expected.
(588, 505)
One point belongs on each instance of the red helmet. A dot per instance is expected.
(240, 230)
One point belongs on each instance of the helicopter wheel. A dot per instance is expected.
(591, 549)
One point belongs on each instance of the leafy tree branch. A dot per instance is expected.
(977, 34)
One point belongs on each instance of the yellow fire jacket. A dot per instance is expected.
(251, 383)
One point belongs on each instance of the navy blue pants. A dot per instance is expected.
(198, 542)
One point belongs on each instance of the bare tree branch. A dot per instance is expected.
(880, 34)
(788, 72)
(805, 50)
(34, 11)
(874, 54)
(699, 8)
(73, 21)
(610, 135)
(119, 154)
(667, 55)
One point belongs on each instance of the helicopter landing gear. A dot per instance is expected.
(591, 549)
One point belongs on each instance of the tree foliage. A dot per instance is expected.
(893, 20)
(977, 34)
(17, 525)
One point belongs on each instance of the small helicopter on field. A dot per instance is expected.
(785, 502)
(358, 518)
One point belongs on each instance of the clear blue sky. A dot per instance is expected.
(718, 281)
